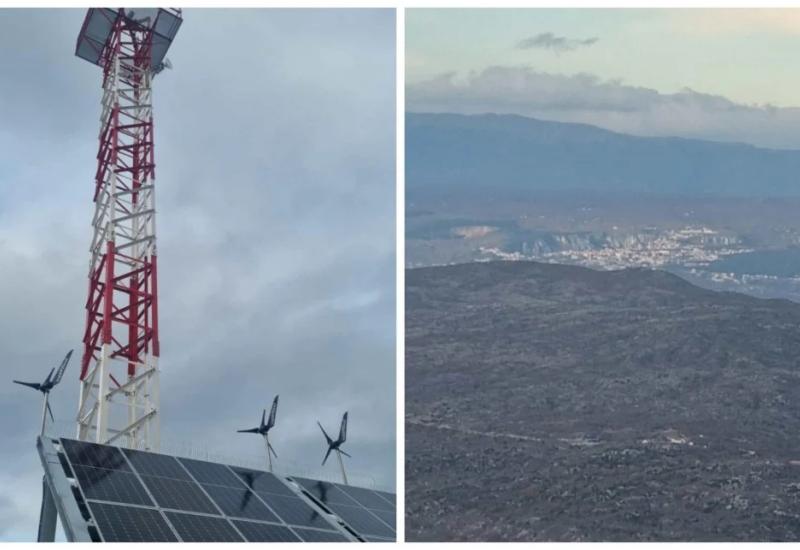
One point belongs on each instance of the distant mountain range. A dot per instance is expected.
(553, 402)
(509, 154)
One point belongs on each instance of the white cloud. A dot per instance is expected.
(610, 104)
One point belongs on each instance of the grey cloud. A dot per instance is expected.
(557, 44)
(275, 150)
(610, 104)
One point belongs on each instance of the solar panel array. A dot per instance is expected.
(134, 496)
(370, 513)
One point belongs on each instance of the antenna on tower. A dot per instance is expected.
(264, 428)
(166, 64)
(335, 445)
(49, 383)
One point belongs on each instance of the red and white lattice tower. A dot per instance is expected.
(119, 398)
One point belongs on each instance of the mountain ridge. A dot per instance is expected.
(448, 152)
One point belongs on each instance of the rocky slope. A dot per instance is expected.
(551, 402)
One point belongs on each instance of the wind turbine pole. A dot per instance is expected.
(269, 456)
(341, 465)
(44, 411)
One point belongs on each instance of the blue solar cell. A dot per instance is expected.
(294, 511)
(362, 521)
(388, 497)
(179, 495)
(263, 482)
(194, 528)
(128, 524)
(239, 503)
(326, 493)
(92, 454)
(387, 517)
(111, 485)
(367, 498)
(208, 472)
(265, 532)
(312, 535)
(153, 464)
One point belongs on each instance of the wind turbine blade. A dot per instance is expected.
(273, 413)
(34, 385)
(51, 413)
(47, 380)
(62, 367)
(326, 455)
(327, 437)
(263, 416)
(250, 431)
(269, 446)
(345, 454)
(343, 429)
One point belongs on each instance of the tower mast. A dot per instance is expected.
(119, 398)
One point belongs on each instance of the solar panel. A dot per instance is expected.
(142, 496)
(239, 503)
(127, 524)
(388, 497)
(111, 485)
(365, 511)
(263, 481)
(179, 495)
(312, 535)
(362, 520)
(152, 464)
(266, 532)
(325, 492)
(294, 511)
(367, 498)
(194, 528)
(208, 472)
(97, 456)
(387, 517)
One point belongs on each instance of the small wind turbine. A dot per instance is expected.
(45, 387)
(336, 445)
(263, 429)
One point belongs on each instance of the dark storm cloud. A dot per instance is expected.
(275, 174)
(557, 44)
(609, 104)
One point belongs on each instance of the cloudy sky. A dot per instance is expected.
(715, 74)
(275, 146)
